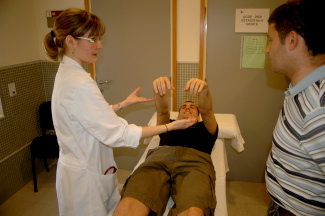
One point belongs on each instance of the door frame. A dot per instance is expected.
(203, 23)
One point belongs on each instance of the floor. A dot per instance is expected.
(243, 198)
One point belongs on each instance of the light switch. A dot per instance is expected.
(12, 89)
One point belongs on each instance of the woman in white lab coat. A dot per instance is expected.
(86, 125)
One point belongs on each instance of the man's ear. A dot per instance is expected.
(70, 42)
(293, 38)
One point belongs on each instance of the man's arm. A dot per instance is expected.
(161, 85)
(196, 86)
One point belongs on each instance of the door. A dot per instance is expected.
(136, 51)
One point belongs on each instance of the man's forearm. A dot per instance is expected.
(206, 110)
(205, 102)
(161, 86)
(162, 109)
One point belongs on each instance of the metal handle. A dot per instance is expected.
(103, 82)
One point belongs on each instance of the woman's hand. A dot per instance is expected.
(133, 98)
(181, 124)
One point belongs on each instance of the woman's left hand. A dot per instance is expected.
(133, 98)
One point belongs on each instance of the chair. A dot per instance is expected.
(45, 146)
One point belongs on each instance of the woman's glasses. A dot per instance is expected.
(92, 40)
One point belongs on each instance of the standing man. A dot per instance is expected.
(295, 172)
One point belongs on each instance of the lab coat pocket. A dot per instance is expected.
(104, 190)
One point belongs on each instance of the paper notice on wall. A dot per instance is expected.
(253, 51)
(252, 20)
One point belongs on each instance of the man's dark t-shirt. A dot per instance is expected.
(196, 137)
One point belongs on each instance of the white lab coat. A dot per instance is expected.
(87, 128)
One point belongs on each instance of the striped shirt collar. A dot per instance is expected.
(311, 78)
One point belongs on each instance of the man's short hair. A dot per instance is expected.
(198, 111)
(306, 17)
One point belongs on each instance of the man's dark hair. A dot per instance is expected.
(306, 17)
(198, 111)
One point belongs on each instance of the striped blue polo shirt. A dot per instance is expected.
(295, 172)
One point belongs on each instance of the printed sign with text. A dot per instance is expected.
(252, 20)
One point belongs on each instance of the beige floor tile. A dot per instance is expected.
(247, 193)
(243, 198)
(122, 175)
(238, 209)
(256, 210)
(28, 203)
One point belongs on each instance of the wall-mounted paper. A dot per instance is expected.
(253, 51)
(252, 20)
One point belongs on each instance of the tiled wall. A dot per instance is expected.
(48, 71)
(34, 84)
(185, 71)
